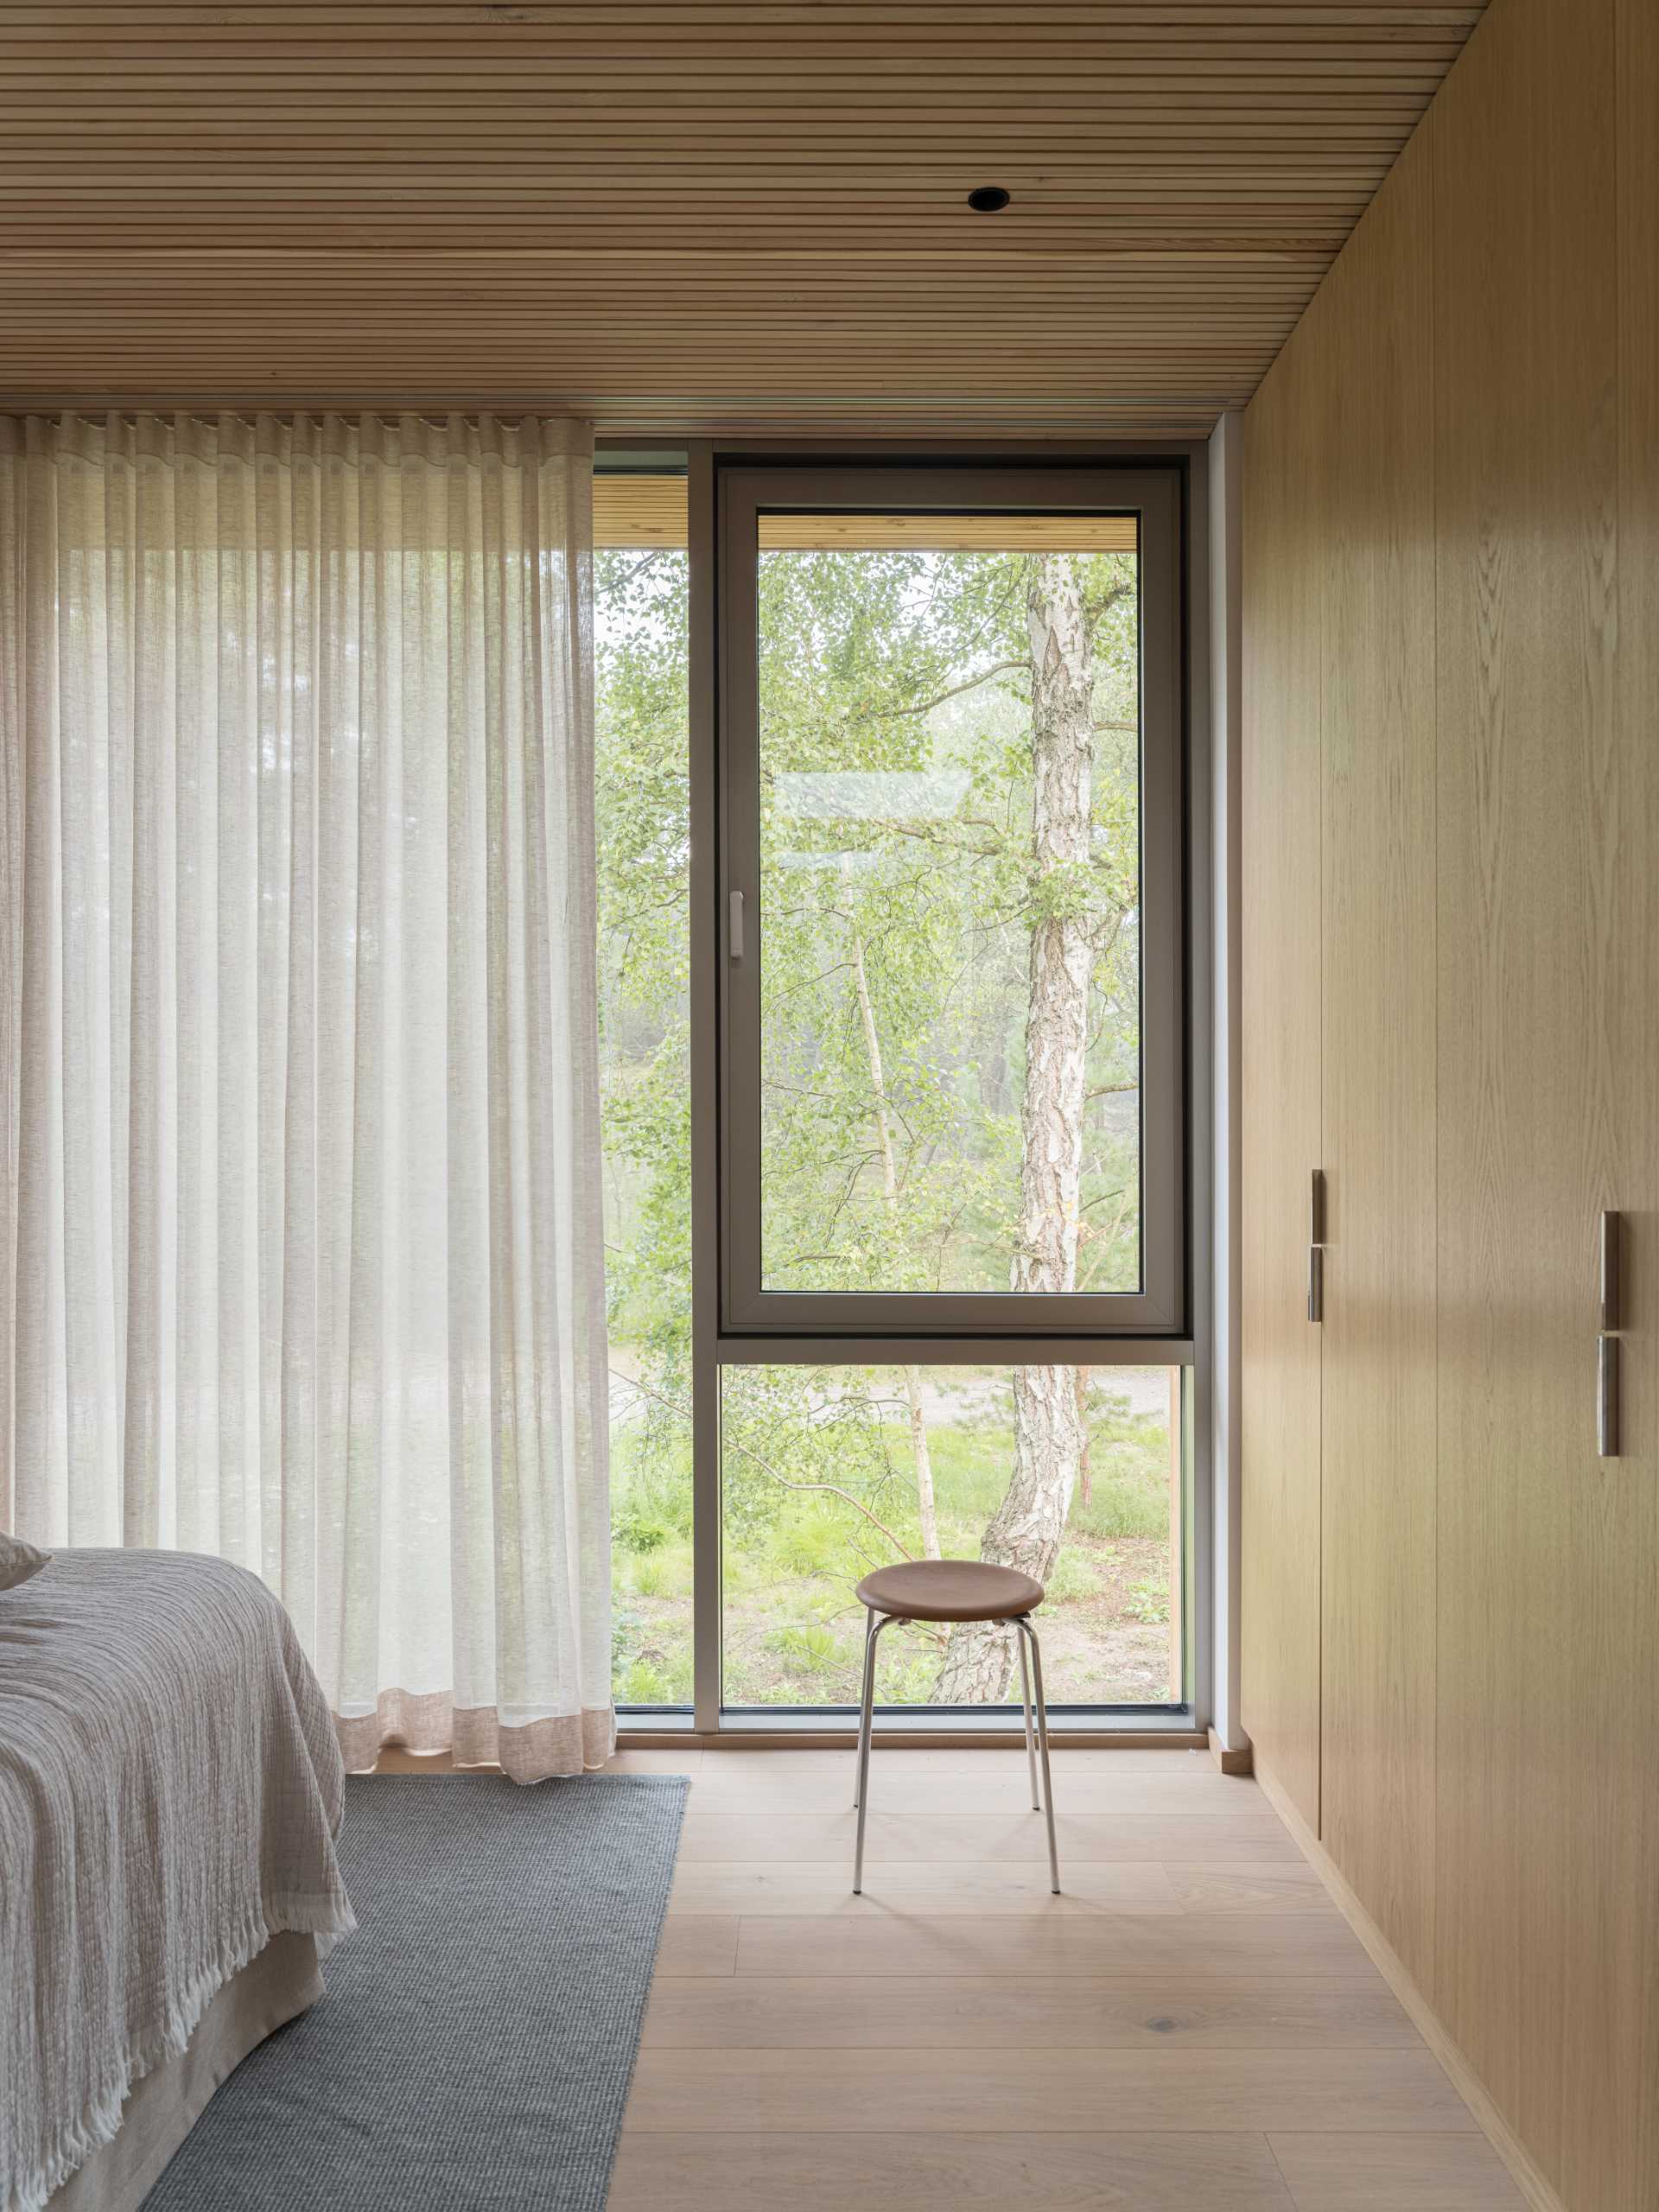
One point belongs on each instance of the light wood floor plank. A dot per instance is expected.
(997, 2012)
(1396, 2173)
(923, 1886)
(836, 2171)
(626, 1762)
(1250, 1889)
(700, 1943)
(958, 2092)
(884, 1942)
(790, 1839)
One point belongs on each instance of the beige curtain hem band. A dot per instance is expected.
(475, 1735)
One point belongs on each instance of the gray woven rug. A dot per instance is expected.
(476, 2042)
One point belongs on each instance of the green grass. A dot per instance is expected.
(659, 1572)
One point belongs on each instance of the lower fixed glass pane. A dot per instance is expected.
(1072, 1474)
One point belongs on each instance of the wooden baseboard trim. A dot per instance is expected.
(1528, 2179)
(1242, 1761)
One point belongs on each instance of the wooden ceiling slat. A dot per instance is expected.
(1153, 308)
(1195, 253)
(782, 17)
(676, 60)
(1056, 286)
(577, 30)
(730, 214)
(785, 195)
(1184, 120)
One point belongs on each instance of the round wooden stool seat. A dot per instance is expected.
(950, 1589)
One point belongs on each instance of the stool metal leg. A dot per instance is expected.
(864, 1701)
(1042, 1744)
(1031, 1738)
(865, 1718)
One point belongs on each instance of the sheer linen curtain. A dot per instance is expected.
(302, 1256)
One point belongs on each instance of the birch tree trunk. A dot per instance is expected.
(1048, 1429)
(921, 1457)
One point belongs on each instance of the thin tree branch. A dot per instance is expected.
(783, 1481)
(926, 706)
(621, 584)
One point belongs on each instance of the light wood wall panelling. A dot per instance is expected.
(1490, 716)
(1377, 565)
(1628, 1503)
(1280, 1142)
(1545, 1796)
(736, 213)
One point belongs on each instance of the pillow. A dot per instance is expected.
(18, 1561)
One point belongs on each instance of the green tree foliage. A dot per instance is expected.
(896, 831)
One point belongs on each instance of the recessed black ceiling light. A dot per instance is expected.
(988, 200)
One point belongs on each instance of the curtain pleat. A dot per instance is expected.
(303, 1260)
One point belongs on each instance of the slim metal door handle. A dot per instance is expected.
(1611, 1224)
(1607, 1396)
(735, 915)
(1316, 1246)
(1607, 1355)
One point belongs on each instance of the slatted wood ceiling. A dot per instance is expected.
(690, 214)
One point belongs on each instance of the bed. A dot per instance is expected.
(170, 1792)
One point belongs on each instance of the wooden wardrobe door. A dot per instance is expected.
(1377, 1777)
(1627, 1503)
(1280, 962)
(1545, 1881)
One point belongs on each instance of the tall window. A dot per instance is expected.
(949, 1262)
(953, 1028)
